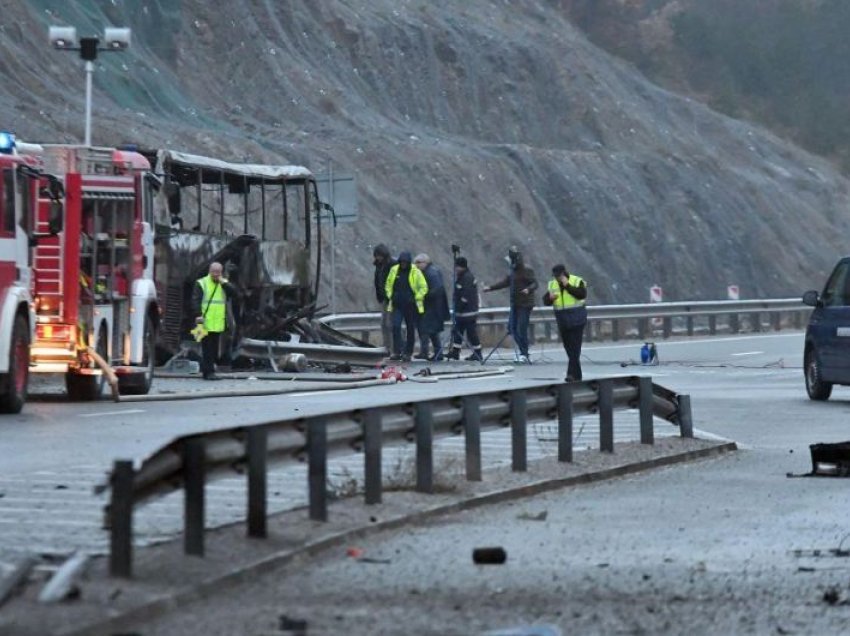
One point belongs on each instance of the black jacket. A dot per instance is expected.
(465, 296)
(523, 278)
(382, 270)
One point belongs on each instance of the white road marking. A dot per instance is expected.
(105, 413)
(748, 353)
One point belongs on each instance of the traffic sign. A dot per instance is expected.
(339, 190)
(733, 293)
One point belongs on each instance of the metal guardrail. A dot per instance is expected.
(189, 461)
(642, 314)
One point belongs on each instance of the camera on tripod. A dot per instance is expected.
(513, 256)
(455, 249)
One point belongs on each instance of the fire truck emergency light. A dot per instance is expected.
(7, 143)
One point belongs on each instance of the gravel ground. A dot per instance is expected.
(165, 580)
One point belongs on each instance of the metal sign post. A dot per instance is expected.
(339, 191)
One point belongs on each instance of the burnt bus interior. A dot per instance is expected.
(254, 219)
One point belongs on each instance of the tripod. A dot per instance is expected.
(511, 321)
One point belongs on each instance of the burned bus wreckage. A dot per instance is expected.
(261, 223)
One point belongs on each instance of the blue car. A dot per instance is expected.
(826, 357)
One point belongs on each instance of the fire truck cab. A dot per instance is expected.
(18, 186)
(93, 285)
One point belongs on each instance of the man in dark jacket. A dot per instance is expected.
(432, 322)
(465, 302)
(522, 284)
(382, 261)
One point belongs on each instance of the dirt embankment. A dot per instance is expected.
(480, 123)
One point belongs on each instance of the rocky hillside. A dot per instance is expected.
(484, 123)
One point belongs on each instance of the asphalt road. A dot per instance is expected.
(719, 546)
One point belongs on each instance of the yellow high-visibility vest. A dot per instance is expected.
(213, 305)
(564, 299)
(417, 283)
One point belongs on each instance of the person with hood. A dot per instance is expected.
(432, 322)
(382, 261)
(406, 289)
(522, 284)
(465, 301)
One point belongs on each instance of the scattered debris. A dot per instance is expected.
(298, 626)
(527, 630)
(489, 556)
(19, 573)
(64, 583)
(393, 373)
(832, 596)
(373, 560)
(527, 516)
(828, 460)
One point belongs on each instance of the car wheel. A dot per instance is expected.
(815, 386)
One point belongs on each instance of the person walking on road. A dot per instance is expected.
(209, 300)
(432, 322)
(567, 294)
(406, 289)
(382, 261)
(522, 284)
(465, 303)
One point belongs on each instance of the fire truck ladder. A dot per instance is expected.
(48, 264)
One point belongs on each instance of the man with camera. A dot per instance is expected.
(567, 294)
(522, 284)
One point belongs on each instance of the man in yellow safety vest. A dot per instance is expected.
(567, 294)
(406, 288)
(209, 300)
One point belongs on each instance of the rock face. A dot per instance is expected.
(483, 123)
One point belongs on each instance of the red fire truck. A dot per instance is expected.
(93, 286)
(18, 186)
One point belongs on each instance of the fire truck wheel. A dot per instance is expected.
(88, 387)
(14, 383)
(140, 383)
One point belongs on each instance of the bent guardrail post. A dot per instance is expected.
(686, 423)
(121, 520)
(194, 470)
(256, 447)
(647, 433)
(519, 426)
(565, 422)
(317, 467)
(606, 415)
(372, 456)
(472, 436)
(425, 447)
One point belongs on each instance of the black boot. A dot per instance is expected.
(453, 354)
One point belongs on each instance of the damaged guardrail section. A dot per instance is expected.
(190, 461)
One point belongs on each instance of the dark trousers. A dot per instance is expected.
(469, 326)
(572, 337)
(408, 315)
(433, 338)
(518, 326)
(209, 353)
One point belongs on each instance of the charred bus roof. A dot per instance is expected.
(187, 169)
